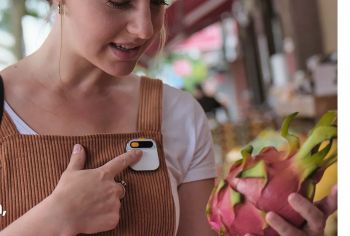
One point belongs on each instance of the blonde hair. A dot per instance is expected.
(162, 39)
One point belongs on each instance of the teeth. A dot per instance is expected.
(122, 47)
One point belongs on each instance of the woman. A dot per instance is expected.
(79, 88)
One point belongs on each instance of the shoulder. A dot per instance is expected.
(183, 117)
(181, 111)
(15, 71)
(186, 137)
(15, 80)
(180, 104)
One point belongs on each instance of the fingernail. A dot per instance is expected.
(76, 148)
(335, 190)
(137, 152)
(292, 197)
(269, 216)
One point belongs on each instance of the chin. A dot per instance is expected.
(118, 73)
(119, 69)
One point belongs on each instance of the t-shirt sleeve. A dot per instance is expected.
(202, 164)
(187, 139)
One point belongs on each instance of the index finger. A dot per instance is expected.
(315, 217)
(281, 226)
(119, 163)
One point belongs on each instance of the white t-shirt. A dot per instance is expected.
(187, 140)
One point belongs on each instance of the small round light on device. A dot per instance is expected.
(135, 144)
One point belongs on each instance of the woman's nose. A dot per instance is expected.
(141, 24)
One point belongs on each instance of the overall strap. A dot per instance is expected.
(7, 127)
(150, 105)
(2, 98)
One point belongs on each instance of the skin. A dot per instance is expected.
(193, 219)
(91, 209)
(315, 215)
(91, 77)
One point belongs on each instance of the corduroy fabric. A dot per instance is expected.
(148, 120)
(2, 99)
(31, 166)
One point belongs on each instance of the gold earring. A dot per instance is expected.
(60, 8)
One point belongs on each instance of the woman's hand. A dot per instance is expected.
(89, 200)
(315, 215)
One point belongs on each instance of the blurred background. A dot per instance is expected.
(249, 63)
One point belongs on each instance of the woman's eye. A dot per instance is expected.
(160, 2)
(119, 5)
(127, 4)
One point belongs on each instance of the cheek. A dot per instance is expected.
(90, 30)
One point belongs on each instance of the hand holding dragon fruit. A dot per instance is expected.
(262, 183)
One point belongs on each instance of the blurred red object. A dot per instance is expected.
(186, 17)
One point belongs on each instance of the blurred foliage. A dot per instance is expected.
(198, 68)
(11, 15)
(5, 18)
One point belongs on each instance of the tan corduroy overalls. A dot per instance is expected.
(31, 166)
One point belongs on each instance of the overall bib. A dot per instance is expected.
(31, 166)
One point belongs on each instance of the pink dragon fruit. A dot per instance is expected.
(258, 184)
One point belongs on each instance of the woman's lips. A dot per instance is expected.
(124, 54)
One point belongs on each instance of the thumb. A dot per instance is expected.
(118, 164)
(77, 159)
